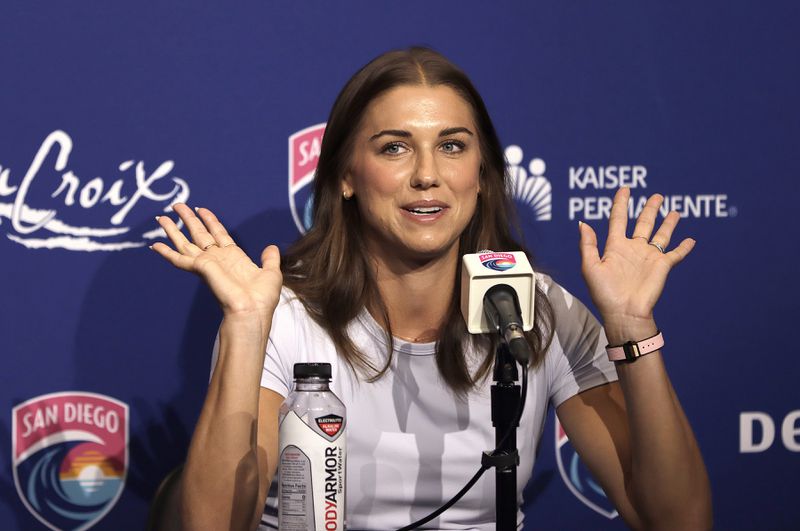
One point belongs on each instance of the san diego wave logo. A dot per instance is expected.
(577, 477)
(70, 455)
(497, 261)
(304, 148)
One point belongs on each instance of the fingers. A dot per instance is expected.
(215, 228)
(181, 243)
(647, 218)
(618, 219)
(664, 232)
(181, 261)
(197, 229)
(588, 245)
(271, 258)
(681, 251)
(206, 232)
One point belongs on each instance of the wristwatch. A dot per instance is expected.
(635, 349)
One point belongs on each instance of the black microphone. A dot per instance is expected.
(501, 306)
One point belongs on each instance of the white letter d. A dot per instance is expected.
(746, 442)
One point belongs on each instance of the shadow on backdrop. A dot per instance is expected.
(136, 341)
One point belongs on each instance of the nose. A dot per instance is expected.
(426, 174)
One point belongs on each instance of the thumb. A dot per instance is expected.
(271, 258)
(588, 245)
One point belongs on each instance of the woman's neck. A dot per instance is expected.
(417, 294)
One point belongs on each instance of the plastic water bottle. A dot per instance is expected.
(312, 448)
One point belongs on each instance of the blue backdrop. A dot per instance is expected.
(111, 112)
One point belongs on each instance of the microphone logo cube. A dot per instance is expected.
(497, 261)
(481, 271)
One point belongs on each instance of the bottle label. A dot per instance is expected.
(312, 468)
(330, 424)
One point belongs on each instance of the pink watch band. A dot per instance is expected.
(631, 350)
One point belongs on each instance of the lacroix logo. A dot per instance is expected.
(577, 477)
(304, 148)
(70, 456)
(81, 214)
(497, 261)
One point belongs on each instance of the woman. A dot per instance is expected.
(411, 176)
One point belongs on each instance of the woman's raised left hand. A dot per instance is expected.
(627, 280)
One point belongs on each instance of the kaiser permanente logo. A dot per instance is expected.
(610, 178)
(532, 190)
(52, 207)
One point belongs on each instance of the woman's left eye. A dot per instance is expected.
(453, 146)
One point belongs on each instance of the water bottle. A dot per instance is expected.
(312, 453)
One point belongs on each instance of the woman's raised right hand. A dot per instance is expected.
(241, 287)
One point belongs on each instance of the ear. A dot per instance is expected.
(347, 187)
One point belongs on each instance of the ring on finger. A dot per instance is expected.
(642, 237)
(209, 246)
(229, 245)
(657, 246)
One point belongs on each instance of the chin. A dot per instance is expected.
(430, 251)
(414, 246)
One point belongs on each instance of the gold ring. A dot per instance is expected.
(209, 246)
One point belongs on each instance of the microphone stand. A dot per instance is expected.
(506, 403)
(505, 397)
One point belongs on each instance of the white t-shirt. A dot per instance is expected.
(411, 443)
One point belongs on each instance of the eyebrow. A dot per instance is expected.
(405, 134)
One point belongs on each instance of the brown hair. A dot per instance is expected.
(327, 268)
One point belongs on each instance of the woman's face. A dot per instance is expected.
(414, 171)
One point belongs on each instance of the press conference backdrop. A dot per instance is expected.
(110, 113)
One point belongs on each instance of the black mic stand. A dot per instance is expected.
(505, 402)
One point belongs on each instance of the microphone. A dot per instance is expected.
(497, 295)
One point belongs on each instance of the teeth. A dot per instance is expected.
(431, 210)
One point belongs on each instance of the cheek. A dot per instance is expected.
(464, 173)
(375, 179)
(375, 189)
(466, 182)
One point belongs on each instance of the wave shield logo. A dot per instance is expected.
(330, 424)
(304, 148)
(532, 189)
(70, 455)
(497, 261)
(577, 477)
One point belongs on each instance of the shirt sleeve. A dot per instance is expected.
(576, 360)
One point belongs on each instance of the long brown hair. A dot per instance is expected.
(327, 268)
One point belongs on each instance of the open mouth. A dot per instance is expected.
(424, 211)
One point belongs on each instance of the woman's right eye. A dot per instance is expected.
(393, 148)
